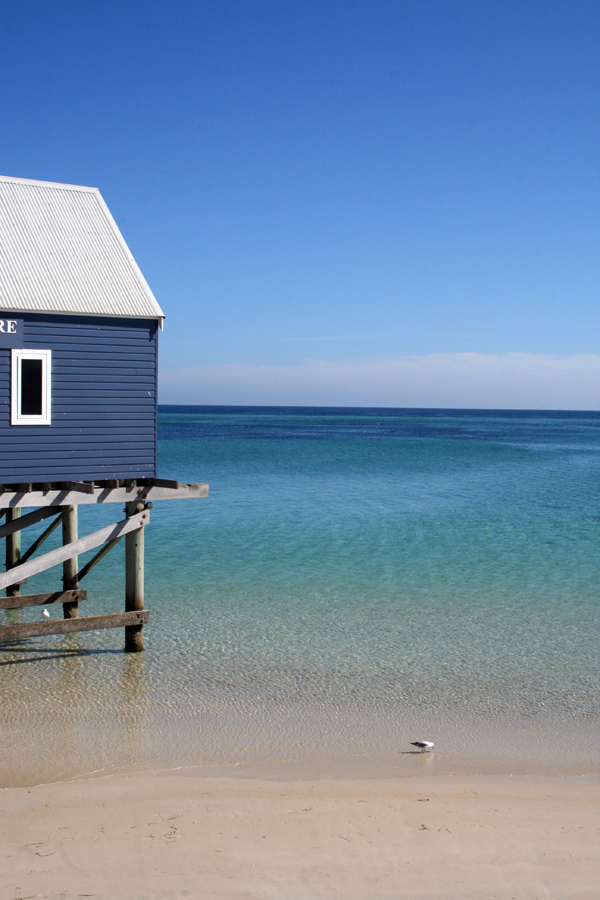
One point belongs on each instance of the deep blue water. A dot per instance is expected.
(356, 575)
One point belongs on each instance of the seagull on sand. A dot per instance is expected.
(46, 614)
(423, 746)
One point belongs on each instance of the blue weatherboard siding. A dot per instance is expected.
(103, 401)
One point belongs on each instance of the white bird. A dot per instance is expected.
(46, 614)
(423, 746)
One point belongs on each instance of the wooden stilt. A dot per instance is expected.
(13, 551)
(70, 582)
(61, 500)
(134, 580)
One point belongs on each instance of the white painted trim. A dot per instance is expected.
(117, 233)
(20, 310)
(15, 395)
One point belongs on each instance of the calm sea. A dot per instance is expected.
(358, 578)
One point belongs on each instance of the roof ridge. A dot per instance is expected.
(49, 184)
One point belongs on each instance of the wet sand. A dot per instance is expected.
(183, 834)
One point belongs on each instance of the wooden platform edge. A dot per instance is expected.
(23, 499)
(69, 626)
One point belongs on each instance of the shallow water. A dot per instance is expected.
(357, 579)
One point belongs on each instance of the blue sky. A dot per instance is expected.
(335, 202)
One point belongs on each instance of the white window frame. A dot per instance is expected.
(15, 406)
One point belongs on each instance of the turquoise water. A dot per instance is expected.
(357, 579)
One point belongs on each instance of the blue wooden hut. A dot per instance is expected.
(78, 340)
(78, 392)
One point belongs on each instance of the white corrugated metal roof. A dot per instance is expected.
(61, 252)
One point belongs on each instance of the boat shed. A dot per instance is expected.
(78, 393)
(78, 340)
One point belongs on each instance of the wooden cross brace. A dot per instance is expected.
(68, 551)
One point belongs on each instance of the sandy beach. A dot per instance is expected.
(181, 834)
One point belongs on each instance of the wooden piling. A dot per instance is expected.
(70, 566)
(13, 551)
(134, 580)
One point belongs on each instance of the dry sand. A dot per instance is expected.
(177, 835)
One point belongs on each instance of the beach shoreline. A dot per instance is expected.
(420, 836)
(247, 763)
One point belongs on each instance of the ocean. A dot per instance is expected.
(357, 579)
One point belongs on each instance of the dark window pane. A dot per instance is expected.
(31, 387)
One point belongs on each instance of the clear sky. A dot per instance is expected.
(354, 203)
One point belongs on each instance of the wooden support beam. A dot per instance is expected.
(134, 580)
(69, 534)
(99, 555)
(42, 599)
(35, 566)
(13, 554)
(82, 487)
(163, 482)
(69, 626)
(13, 499)
(38, 543)
(31, 518)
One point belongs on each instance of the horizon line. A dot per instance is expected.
(469, 409)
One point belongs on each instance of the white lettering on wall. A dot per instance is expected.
(8, 326)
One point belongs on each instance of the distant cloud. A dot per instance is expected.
(468, 380)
